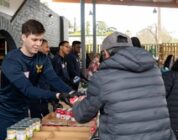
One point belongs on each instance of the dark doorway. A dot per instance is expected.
(6, 44)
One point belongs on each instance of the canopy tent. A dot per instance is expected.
(151, 3)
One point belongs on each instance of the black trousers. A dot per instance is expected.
(6, 122)
(38, 109)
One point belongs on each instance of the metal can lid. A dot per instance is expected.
(21, 129)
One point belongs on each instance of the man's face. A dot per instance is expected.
(105, 54)
(32, 43)
(44, 48)
(77, 48)
(66, 48)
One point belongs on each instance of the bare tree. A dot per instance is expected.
(149, 35)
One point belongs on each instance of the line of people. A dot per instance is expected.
(170, 77)
(127, 89)
(129, 92)
(66, 64)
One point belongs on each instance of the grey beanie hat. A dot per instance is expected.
(116, 39)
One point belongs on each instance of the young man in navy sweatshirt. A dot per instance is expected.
(21, 70)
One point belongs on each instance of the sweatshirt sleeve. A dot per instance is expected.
(56, 66)
(71, 66)
(53, 79)
(12, 70)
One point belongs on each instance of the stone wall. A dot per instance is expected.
(33, 9)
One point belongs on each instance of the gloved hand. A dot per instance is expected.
(56, 104)
(84, 84)
(76, 93)
(80, 93)
(65, 97)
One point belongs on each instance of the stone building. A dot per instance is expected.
(10, 26)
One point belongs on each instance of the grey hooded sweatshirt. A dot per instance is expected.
(129, 92)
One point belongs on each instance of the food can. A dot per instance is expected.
(11, 133)
(21, 133)
(61, 113)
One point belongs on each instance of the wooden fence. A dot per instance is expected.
(159, 51)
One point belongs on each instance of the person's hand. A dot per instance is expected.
(77, 93)
(56, 104)
(65, 97)
(80, 93)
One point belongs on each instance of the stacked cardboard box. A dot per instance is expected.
(55, 129)
(62, 133)
(51, 120)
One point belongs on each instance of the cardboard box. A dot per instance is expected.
(59, 129)
(65, 138)
(42, 135)
(83, 135)
(51, 120)
(62, 135)
(64, 128)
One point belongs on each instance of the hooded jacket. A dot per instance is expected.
(129, 92)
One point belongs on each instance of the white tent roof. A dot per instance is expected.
(152, 3)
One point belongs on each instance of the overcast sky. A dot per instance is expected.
(123, 18)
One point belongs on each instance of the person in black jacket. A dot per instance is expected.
(136, 42)
(73, 67)
(168, 63)
(59, 62)
(129, 92)
(21, 70)
(171, 85)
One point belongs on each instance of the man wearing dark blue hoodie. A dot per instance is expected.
(73, 66)
(21, 70)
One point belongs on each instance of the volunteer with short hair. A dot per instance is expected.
(21, 70)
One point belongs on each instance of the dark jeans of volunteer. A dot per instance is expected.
(75, 86)
(6, 122)
(38, 109)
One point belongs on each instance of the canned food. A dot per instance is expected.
(58, 113)
(27, 128)
(61, 113)
(30, 129)
(33, 124)
(68, 114)
(37, 122)
(21, 133)
(11, 133)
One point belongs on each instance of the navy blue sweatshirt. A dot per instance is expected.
(20, 75)
(73, 66)
(60, 66)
